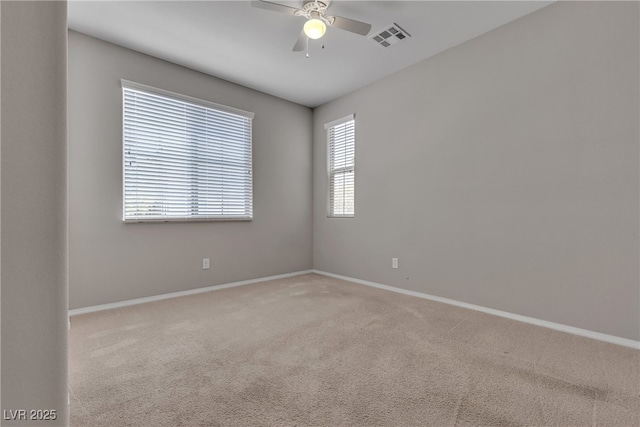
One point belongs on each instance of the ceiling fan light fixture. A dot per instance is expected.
(314, 28)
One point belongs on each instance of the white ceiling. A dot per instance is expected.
(252, 47)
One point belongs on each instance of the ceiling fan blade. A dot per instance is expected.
(274, 7)
(351, 25)
(300, 43)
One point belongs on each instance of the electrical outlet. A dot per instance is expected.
(394, 262)
(206, 263)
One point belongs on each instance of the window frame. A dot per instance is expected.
(126, 84)
(330, 172)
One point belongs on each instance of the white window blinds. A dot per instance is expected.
(341, 168)
(184, 158)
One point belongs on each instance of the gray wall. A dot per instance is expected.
(502, 172)
(111, 261)
(33, 214)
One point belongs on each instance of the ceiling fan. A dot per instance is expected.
(315, 11)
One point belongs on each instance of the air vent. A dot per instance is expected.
(389, 36)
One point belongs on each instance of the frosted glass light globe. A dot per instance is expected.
(314, 28)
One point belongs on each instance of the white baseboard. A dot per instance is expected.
(119, 304)
(531, 320)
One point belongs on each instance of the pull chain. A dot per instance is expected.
(307, 47)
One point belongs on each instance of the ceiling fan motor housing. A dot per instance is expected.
(313, 9)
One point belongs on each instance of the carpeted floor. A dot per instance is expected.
(316, 351)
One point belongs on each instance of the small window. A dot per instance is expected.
(341, 140)
(185, 159)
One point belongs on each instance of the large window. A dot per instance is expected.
(341, 141)
(184, 158)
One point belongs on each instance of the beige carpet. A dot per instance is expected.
(316, 351)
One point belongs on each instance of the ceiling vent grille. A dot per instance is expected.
(391, 35)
